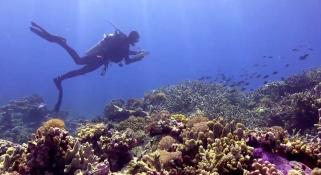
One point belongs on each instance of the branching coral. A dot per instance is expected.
(83, 160)
(210, 98)
(260, 167)
(10, 156)
(224, 156)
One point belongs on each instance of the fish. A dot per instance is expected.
(204, 78)
(265, 82)
(294, 50)
(310, 49)
(243, 89)
(282, 78)
(266, 76)
(240, 83)
(287, 65)
(41, 105)
(270, 57)
(258, 76)
(275, 72)
(247, 83)
(303, 57)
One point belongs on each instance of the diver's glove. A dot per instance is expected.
(141, 54)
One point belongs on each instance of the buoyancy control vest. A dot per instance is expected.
(109, 46)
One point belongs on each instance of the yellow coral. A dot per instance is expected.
(316, 171)
(295, 172)
(90, 130)
(55, 122)
(52, 123)
(179, 117)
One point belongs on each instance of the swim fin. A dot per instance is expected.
(46, 35)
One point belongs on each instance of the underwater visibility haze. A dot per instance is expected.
(186, 39)
(212, 87)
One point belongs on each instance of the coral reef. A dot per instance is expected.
(293, 103)
(20, 118)
(162, 123)
(191, 128)
(181, 145)
(264, 168)
(52, 151)
(213, 100)
(10, 156)
(216, 146)
(119, 110)
(116, 148)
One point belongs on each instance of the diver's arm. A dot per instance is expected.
(132, 60)
(136, 57)
(131, 52)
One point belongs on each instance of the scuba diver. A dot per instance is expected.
(112, 48)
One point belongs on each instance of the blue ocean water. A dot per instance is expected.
(187, 39)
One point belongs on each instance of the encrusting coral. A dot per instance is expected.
(116, 148)
(167, 143)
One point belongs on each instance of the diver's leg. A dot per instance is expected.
(35, 28)
(74, 73)
(77, 59)
(45, 34)
(86, 69)
(58, 103)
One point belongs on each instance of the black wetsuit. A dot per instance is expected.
(113, 48)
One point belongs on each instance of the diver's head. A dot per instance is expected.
(133, 37)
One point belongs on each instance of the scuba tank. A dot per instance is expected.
(100, 47)
(108, 41)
